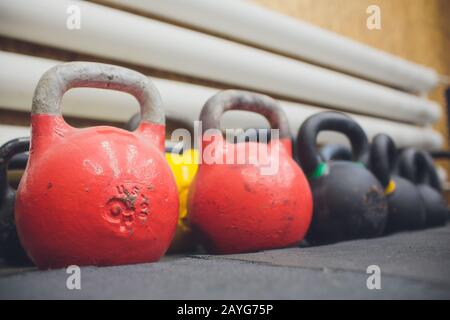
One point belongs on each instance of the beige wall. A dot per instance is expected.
(418, 30)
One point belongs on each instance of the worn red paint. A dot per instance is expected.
(95, 196)
(237, 209)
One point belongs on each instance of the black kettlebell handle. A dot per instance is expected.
(440, 154)
(335, 152)
(243, 100)
(19, 161)
(7, 151)
(383, 156)
(418, 167)
(309, 157)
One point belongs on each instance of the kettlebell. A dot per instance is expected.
(184, 167)
(405, 206)
(100, 195)
(261, 201)
(417, 166)
(11, 250)
(19, 161)
(335, 152)
(16, 167)
(349, 201)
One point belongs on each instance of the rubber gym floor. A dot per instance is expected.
(413, 265)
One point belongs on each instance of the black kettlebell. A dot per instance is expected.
(335, 152)
(417, 166)
(18, 162)
(442, 154)
(16, 168)
(349, 201)
(405, 206)
(10, 248)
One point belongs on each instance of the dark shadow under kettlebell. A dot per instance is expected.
(417, 166)
(349, 201)
(11, 250)
(405, 206)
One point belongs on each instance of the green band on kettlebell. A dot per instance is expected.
(319, 171)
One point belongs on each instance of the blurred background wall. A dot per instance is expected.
(417, 30)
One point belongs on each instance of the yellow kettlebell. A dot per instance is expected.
(184, 167)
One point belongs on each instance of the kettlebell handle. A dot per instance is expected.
(417, 166)
(59, 79)
(133, 123)
(335, 152)
(383, 156)
(7, 151)
(243, 100)
(440, 154)
(309, 156)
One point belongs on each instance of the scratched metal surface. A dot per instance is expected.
(414, 265)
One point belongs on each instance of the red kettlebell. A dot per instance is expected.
(238, 206)
(100, 195)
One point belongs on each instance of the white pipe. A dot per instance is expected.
(8, 132)
(123, 36)
(19, 75)
(251, 23)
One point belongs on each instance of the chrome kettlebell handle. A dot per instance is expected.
(59, 79)
(308, 154)
(243, 100)
(383, 158)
